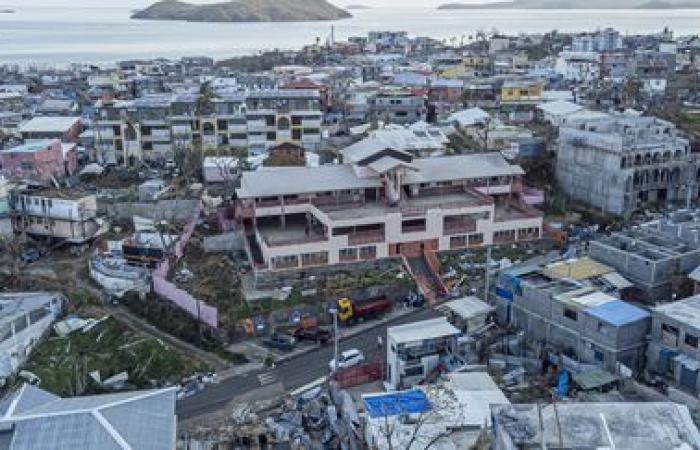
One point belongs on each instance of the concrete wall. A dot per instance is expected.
(297, 277)
(160, 210)
(227, 242)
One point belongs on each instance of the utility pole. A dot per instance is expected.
(487, 278)
(334, 311)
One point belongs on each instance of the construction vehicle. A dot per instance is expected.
(353, 311)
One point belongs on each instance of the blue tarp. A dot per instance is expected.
(395, 403)
(563, 383)
(504, 293)
(618, 312)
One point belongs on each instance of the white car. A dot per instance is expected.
(348, 358)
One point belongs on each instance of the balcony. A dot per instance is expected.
(459, 227)
(366, 237)
(514, 211)
(413, 229)
(296, 231)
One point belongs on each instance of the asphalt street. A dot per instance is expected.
(291, 373)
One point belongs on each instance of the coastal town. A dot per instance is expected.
(382, 242)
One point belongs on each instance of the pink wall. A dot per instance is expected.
(41, 163)
(194, 307)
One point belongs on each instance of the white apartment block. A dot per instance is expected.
(382, 203)
(153, 127)
(58, 214)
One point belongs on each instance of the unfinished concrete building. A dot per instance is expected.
(653, 254)
(566, 312)
(622, 163)
(673, 352)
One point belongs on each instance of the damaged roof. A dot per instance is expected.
(33, 419)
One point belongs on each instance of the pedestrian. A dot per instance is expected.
(379, 342)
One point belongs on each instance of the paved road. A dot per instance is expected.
(292, 373)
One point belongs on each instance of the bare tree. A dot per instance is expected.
(427, 429)
(11, 248)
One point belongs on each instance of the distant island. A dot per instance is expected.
(357, 7)
(577, 4)
(7, 11)
(244, 11)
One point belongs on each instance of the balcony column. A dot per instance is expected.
(283, 219)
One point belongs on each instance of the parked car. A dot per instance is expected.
(280, 342)
(348, 358)
(30, 254)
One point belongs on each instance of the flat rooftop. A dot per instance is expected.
(686, 311)
(425, 329)
(628, 425)
(46, 124)
(31, 147)
(576, 269)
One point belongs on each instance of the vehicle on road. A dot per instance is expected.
(313, 334)
(349, 358)
(280, 341)
(353, 311)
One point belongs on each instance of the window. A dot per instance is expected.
(458, 242)
(26, 165)
(598, 355)
(348, 254)
(413, 371)
(691, 340)
(570, 313)
(368, 252)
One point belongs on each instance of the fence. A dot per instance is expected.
(362, 374)
(196, 308)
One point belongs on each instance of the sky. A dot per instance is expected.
(143, 3)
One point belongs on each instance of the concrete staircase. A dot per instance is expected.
(428, 281)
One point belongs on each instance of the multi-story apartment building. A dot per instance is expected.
(606, 40)
(284, 115)
(58, 214)
(578, 67)
(397, 105)
(382, 203)
(153, 127)
(621, 163)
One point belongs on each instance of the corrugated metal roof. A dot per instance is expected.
(618, 312)
(139, 420)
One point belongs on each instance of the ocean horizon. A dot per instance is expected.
(53, 36)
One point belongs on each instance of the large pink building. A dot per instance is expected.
(38, 159)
